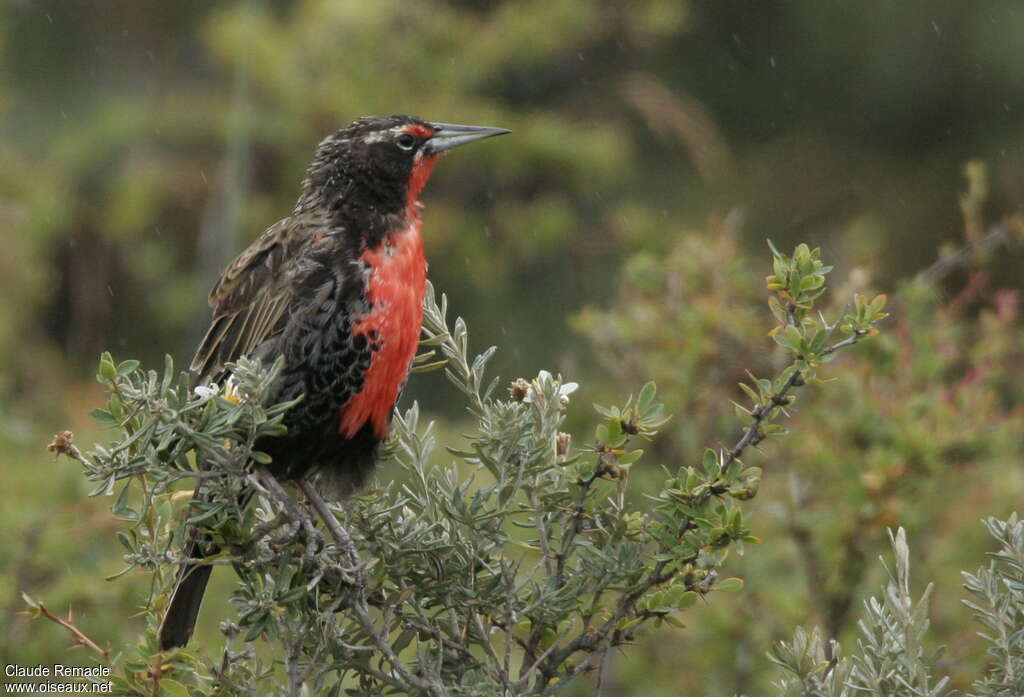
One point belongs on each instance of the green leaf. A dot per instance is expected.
(121, 508)
(126, 367)
(646, 396)
(126, 540)
(687, 599)
(630, 457)
(729, 585)
(165, 384)
(429, 367)
(790, 338)
(107, 371)
(103, 416)
(257, 628)
(749, 391)
(674, 621)
(273, 429)
(811, 283)
(743, 414)
(709, 461)
(628, 624)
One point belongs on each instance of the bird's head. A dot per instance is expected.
(387, 158)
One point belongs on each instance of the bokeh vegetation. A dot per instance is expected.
(618, 236)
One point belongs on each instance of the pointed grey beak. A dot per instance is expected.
(452, 135)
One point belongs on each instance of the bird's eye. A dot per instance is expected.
(406, 141)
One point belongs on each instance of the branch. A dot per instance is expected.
(997, 236)
(77, 634)
(579, 512)
(752, 434)
(431, 684)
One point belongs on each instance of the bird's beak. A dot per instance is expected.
(451, 135)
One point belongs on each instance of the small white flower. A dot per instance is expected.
(564, 390)
(231, 391)
(207, 392)
(567, 389)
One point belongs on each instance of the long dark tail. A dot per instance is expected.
(187, 596)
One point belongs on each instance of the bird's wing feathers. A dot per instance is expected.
(249, 303)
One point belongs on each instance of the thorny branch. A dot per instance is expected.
(77, 635)
(752, 434)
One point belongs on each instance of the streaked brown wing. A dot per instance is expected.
(249, 302)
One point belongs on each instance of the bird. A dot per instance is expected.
(335, 289)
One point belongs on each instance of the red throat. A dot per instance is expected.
(418, 179)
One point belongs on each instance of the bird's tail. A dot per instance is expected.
(187, 596)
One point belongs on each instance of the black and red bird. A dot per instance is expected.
(336, 288)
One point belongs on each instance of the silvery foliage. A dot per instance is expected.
(997, 599)
(890, 658)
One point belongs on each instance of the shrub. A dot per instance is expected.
(509, 564)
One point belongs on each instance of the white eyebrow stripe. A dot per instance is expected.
(378, 136)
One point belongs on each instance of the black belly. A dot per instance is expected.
(326, 364)
(350, 462)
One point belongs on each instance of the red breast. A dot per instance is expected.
(398, 280)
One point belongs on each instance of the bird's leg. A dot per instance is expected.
(291, 508)
(264, 529)
(263, 540)
(339, 533)
(273, 488)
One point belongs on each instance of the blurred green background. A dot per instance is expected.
(617, 235)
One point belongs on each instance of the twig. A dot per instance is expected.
(543, 678)
(587, 664)
(358, 607)
(485, 641)
(77, 634)
(752, 434)
(997, 236)
(431, 684)
(573, 528)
